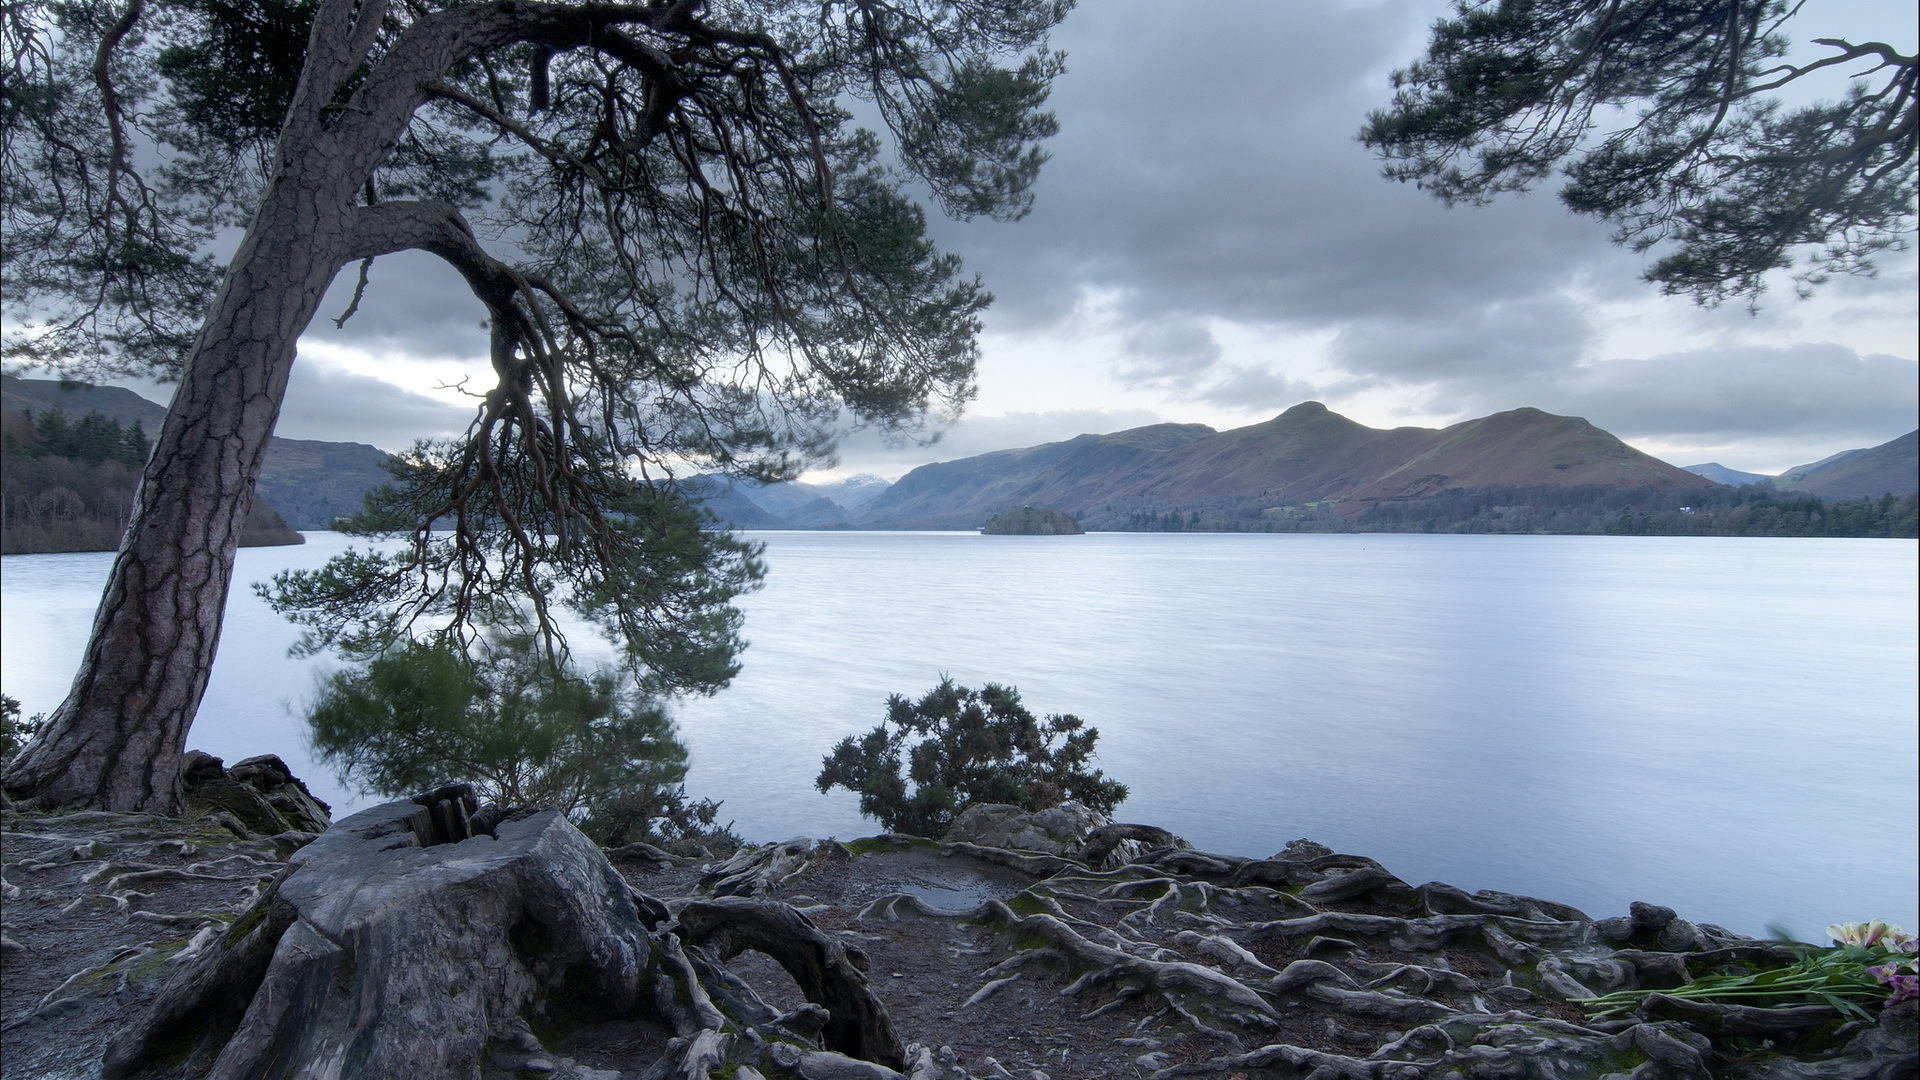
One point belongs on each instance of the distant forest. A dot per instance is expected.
(67, 485)
(1605, 510)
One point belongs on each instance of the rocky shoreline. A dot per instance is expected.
(434, 938)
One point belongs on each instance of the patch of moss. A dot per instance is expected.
(1026, 904)
(244, 925)
(1030, 940)
(869, 845)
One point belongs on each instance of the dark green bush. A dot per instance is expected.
(930, 759)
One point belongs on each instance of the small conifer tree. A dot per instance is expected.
(930, 759)
(524, 728)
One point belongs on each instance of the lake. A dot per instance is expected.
(1725, 726)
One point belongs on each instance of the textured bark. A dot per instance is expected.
(410, 941)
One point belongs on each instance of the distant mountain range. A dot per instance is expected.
(1308, 456)
(308, 481)
(1892, 468)
(1308, 463)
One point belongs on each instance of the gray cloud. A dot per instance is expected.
(414, 304)
(1215, 173)
(1505, 339)
(1754, 391)
(1169, 353)
(325, 402)
(1254, 389)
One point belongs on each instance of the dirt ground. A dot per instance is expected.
(100, 909)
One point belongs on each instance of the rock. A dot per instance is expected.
(1057, 830)
(270, 776)
(1650, 916)
(259, 793)
(1302, 850)
(1116, 844)
(197, 767)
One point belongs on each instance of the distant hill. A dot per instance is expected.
(792, 504)
(855, 491)
(962, 494)
(727, 500)
(67, 482)
(800, 506)
(308, 481)
(1720, 474)
(1892, 468)
(1307, 457)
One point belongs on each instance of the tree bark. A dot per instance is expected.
(115, 742)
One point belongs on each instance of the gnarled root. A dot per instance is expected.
(410, 941)
(858, 1024)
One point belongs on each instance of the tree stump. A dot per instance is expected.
(419, 937)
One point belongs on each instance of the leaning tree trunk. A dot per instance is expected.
(115, 743)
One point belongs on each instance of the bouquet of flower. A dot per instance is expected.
(1869, 963)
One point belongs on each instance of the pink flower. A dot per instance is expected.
(1905, 987)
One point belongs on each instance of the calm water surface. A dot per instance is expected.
(1727, 726)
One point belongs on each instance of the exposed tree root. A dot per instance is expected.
(394, 946)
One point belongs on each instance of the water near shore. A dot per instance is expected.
(1725, 726)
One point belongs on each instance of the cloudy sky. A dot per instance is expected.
(1211, 244)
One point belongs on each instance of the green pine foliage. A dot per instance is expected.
(1675, 122)
(92, 440)
(930, 759)
(520, 726)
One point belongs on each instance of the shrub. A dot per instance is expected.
(15, 733)
(961, 746)
(523, 728)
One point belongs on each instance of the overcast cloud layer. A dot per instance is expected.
(1211, 245)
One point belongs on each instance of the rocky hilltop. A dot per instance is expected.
(434, 938)
(1306, 456)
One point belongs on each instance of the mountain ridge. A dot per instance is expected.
(1307, 455)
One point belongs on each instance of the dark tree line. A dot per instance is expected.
(93, 439)
(1595, 509)
(67, 485)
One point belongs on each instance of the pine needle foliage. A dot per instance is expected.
(523, 730)
(930, 759)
